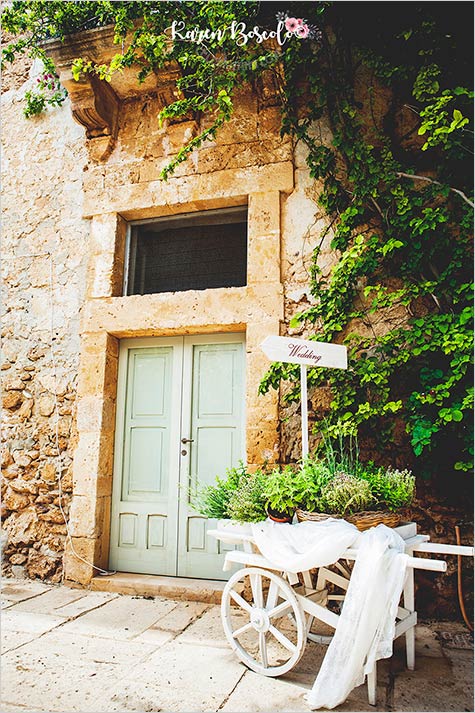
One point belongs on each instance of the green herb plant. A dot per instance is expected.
(344, 495)
(391, 488)
(309, 481)
(213, 500)
(279, 490)
(248, 502)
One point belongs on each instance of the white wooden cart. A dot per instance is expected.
(268, 613)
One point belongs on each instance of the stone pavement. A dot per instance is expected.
(74, 650)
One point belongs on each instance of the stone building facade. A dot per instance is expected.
(77, 183)
(71, 197)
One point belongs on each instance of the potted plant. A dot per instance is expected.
(309, 482)
(280, 494)
(339, 484)
(367, 498)
(212, 500)
(238, 497)
(392, 488)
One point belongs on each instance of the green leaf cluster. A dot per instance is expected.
(344, 495)
(213, 500)
(279, 489)
(239, 496)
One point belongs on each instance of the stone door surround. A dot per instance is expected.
(256, 309)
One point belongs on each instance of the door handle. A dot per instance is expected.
(187, 440)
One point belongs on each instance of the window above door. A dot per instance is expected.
(194, 251)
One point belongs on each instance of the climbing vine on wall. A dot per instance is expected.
(396, 180)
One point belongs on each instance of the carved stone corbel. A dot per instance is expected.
(95, 106)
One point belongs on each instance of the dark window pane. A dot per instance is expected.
(194, 253)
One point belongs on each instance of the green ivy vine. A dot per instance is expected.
(396, 182)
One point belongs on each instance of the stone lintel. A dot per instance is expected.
(194, 312)
(134, 199)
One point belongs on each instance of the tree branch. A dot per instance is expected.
(431, 180)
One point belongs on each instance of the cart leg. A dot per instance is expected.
(321, 579)
(371, 680)
(409, 603)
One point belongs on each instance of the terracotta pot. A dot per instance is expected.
(277, 516)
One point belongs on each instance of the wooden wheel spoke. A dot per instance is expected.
(283, 639)
(256, 586)
(272, 595)
(240, 600)
(279, 609)
(240, 631)
(263, 649)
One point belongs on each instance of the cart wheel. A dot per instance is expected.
(260, 632)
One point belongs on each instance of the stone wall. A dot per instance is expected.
(43, 264)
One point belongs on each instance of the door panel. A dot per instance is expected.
(144, 503)
(215, 423)
(169, 390)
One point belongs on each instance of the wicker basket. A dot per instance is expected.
(362, 520)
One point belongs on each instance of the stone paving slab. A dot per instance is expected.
(26, 621)
(154, 636)
(49, 682)
(180, 677)
(207, 631)
(92, 600)
(18, 590)
(256, 693)
(50, 601)
(13, 639)
(5, 603)
(180, 616)
(121, 618)
(11, 708)
(79, 648)
(172, 623)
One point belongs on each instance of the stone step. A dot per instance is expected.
(208, 591)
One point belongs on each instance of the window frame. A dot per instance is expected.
(175, 217)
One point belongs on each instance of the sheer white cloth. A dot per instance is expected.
(365, 630)
(297, 548)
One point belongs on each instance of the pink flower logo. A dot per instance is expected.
(302, 31)
(291, 24)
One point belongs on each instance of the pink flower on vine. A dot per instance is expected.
(291, 24)
(302, 31)
(300, 21)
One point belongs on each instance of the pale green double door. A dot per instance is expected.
(180, 417)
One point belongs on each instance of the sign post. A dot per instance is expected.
(304, 409)
(306, 353)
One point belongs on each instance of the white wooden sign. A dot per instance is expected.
(306, 353)
(303, 351)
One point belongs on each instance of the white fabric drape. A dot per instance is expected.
(365, 630)
(297, 548)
